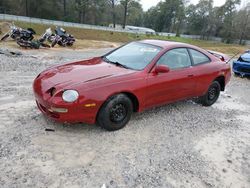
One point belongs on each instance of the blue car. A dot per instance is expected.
(242, 65)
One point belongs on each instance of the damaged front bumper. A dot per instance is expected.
(241, 68)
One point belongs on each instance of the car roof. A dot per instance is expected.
(167, 44)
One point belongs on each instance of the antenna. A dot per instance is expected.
(232, 57)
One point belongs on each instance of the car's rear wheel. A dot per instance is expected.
(212, 94)
(115, 113)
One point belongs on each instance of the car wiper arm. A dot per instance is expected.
(119, 64)
(115, 63)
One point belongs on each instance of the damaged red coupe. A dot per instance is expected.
(139, 75)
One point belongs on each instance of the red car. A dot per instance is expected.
(139, 75)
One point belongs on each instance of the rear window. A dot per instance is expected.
(216, 54)
(198, 57)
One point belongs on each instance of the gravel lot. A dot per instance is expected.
(178, 145)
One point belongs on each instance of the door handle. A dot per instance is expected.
(190, 75)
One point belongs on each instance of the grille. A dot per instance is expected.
(246, 70)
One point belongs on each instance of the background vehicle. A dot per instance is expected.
(19, 33)
(47, 36)
(34, 44)
(62, 38)
(132, 78)
(242, 65)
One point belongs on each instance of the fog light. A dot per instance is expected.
(58, 110)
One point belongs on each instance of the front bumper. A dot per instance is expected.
(70, 114)
(60, 111)
(242, 68)
(47, 112)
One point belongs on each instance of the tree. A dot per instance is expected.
(82, 8)
(166, 16)
(153, 18)
(199, 18)
(241, 24)
(175, 16)
(113, 4)
(64, 8)
(179, 15)
(97, 10)
(229, 10)
(26, 8)
(135, 14)
(126, 4)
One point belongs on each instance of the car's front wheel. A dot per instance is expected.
(212, 94)
(115, 113)
(236, 74)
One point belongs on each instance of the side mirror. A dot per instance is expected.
(161, 69)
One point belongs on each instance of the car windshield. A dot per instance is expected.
(135, 55)
(245, 58)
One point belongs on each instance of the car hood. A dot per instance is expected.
(81, 72)
(246, 57)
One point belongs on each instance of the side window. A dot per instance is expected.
(198, 57)
(176, 58)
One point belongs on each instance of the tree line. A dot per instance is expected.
(175, 16)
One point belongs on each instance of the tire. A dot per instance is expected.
(53, 43)
(115, 113)
(212, 94)
(70, 44)
(236, 74)
(31, 38)
(61, 43)
(45, 45)
(24, 44)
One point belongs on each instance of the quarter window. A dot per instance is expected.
(176, 58)
(198, 57)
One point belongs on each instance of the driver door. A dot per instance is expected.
(178, 84)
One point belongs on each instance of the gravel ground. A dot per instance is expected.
(177, 145)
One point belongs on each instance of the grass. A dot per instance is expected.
(89, 38)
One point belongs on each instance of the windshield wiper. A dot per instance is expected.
(115, 63)
(120, 65)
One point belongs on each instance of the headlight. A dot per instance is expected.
(70, 95)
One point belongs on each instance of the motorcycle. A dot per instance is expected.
(35, 44)
(47, 36)
(62, 38)
(17, 33)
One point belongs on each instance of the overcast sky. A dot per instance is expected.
(149, 3)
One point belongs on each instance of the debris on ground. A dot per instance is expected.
(10, 53)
